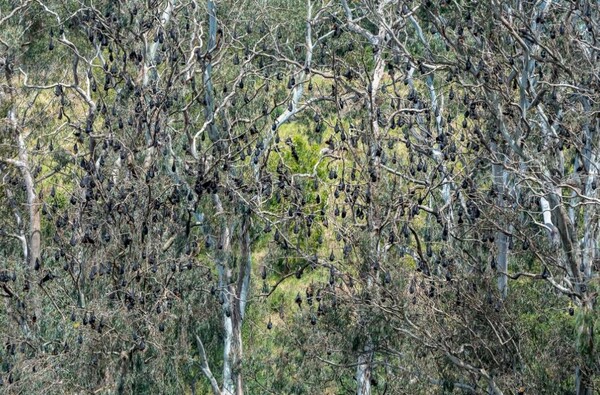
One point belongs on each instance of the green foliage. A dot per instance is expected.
(374, 216)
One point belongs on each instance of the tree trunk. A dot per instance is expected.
(228, 386)
(227, 311)
(499, 177)
(583, 373)
(34, 237)
(363, 372)
(583, 382)
(234, 296)
(238, 299)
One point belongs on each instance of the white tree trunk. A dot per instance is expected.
(363, 372)
(499, 176)
(33, 205)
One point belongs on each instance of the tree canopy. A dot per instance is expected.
(299, 197)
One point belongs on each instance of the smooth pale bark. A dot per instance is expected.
(365, 359)
(209, 110)
(150, 73)
(205, 368)
(583, 384)
(232, 294)
(499, 177)
(560, 221)
(226, 291)
(34, 242)
(363, 372)
(238, 299)
(437, 107)
(234, 297)
(31, 240)
(298, 90)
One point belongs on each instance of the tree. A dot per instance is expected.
(404, 192)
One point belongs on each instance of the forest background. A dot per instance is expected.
(299, 197)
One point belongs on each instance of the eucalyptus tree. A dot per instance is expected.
(124, 186)
(430, 167)
(495, 100)
(151, 176)
(380, 174)
(522, 64)
(242, 125)
(518, 121)
(96, 142)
